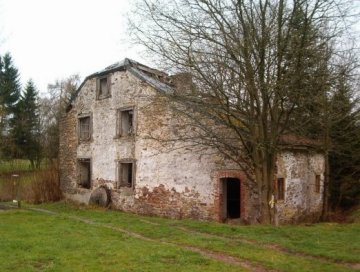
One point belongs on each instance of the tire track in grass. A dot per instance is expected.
(219, 256)
(222, 257)
(275, 247)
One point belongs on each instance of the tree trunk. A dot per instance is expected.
(264, 207)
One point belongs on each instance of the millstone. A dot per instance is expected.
(100, 197)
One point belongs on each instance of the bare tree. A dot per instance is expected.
(252, 64)
(51, 109)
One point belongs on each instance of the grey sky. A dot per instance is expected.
(54, 39)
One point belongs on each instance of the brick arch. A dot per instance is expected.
(218, 175)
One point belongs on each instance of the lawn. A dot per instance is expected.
(82, 239)
(18, 165)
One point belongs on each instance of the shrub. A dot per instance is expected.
(46, 186)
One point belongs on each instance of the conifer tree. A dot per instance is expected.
(9, 98)
(345, 139)
(26, 129)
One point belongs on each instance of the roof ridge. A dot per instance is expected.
(139, 70)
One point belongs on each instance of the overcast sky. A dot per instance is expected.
(51, 39)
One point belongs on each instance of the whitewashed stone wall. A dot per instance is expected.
(299, 169)
(175, 182)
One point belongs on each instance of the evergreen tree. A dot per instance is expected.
(9, 98)
(9, 84)
(26, 129)
(345, 153)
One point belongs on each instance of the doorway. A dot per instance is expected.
(231, 198)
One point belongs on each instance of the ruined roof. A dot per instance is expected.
(155, 78)
(295, 141)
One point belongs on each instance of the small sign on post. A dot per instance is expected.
(16, 189)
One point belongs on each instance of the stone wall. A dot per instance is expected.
(67, 151)
(302, 202)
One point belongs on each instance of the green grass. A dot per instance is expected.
(33, 241)
(18, 166)
(74, 245)
(7, 166)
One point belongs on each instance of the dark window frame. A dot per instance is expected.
(84, 162)
(99, 92)
(81, 137)
(317, 183)
(280, 188)
(120, 168)
(120, 119)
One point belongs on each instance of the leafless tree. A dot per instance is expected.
(51, 109)
(253, 63)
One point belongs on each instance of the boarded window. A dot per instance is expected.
(103, 87)
(125, 122)
(84, 180)
(317, 183)
(280, 188)
(126, 174)
(84, 128)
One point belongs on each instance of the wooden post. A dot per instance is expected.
(16, 189)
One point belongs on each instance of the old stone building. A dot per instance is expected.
(104, 147)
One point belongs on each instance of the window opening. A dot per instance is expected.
(103, 90)
(84, 128)
(280, 188)
(317, 183)
(84, 173)
(126, 174)
(126, 122)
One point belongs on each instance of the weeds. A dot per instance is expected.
(37, 186)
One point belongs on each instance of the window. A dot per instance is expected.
(84, 179)
(280, 188)
(125, 122)
(84, 128)
(317, 183)
(126, 174)
(103, 87)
